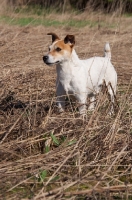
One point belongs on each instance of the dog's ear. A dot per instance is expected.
(54, 36)
(69, 39)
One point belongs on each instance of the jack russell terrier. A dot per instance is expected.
(82, 78)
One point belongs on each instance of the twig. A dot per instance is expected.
(118, 156)
(101, 189)
(52, 192)
(13, 126)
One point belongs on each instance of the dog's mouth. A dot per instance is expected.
(47, 63)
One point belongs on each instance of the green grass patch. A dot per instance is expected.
(128, 14)
(25, 21)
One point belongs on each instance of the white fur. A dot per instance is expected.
(107, 51)
(82, 78)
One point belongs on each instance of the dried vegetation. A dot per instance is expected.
(46, 155)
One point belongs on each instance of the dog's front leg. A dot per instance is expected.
(82, 103)
(92, 103)
(61, 94)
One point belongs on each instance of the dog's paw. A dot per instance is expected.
(83, 117)
(60, 110)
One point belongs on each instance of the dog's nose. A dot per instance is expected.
(45, 58)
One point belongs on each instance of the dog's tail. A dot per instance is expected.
(107, 51)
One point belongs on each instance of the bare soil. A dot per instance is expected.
(93, 159)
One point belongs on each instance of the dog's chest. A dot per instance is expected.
(71, 80)
(66, 82)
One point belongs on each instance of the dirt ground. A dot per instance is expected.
(28, 85)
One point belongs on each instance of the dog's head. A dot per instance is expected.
(59, 50)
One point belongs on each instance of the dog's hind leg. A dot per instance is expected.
(112, 98)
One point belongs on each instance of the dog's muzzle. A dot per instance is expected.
(45, 58)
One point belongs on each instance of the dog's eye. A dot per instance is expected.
(49, 49)
(58, 49)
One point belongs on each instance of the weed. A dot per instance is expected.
(42, 175)
(55, 140)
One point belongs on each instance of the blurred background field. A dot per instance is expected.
(47, 155)
(64, 12)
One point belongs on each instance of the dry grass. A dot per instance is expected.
(46, 155)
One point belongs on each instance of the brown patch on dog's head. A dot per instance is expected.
(54, 36)
(70, 39)
(59, 47)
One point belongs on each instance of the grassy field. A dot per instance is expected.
(46, 155)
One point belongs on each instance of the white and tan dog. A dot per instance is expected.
(82, 78)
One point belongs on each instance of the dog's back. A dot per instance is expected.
(101, 68)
